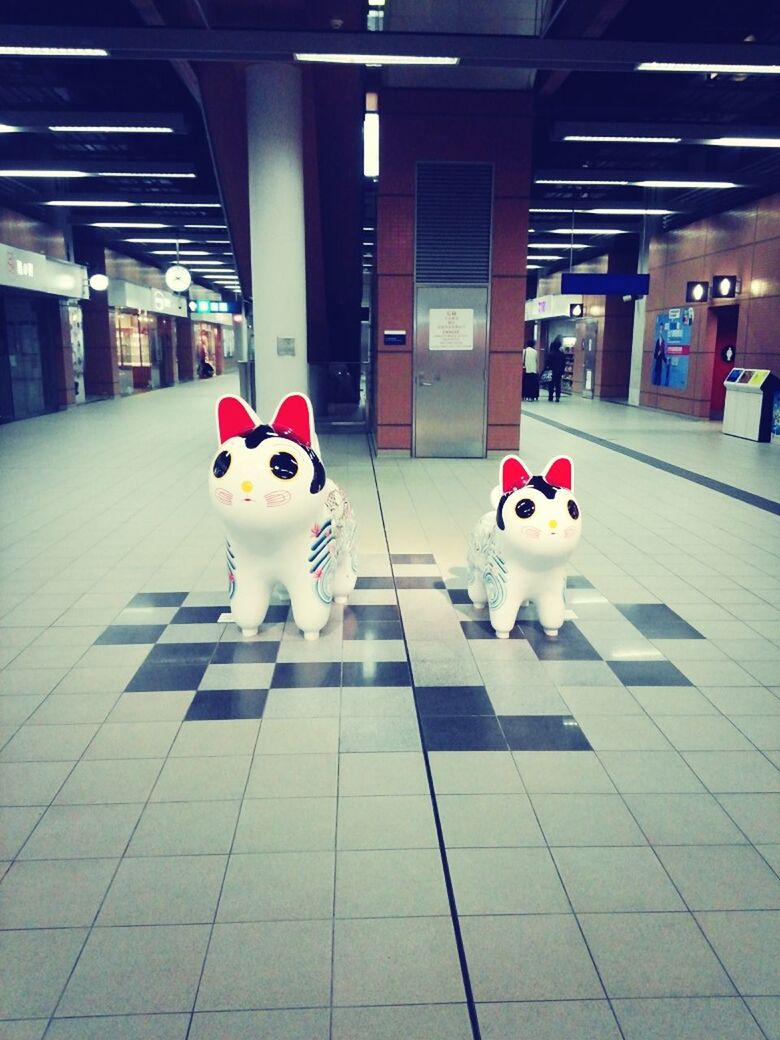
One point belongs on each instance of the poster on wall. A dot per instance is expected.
(450, 328)
(672, 347)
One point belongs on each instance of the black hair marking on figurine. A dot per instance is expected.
(538, 483)
(264, 432)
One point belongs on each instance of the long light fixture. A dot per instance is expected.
(43, 173)
(588, 231)
(546, 256)
(208, 227)
(622, 139)
(558, 245)
(660, 183)
(179, 252)
(168, 174)
(744, 142)
(586, 181)
(95, 203)
(103, 128)
(736, 68)
(685, 184)
(604, 211)
(140, 225)
(55, 52)
(376, 59)
(182, 241)
(178, 205)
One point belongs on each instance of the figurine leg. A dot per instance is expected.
(550, 608)
(503, 617)
(309, 612)
(345, 577)
(476, 588)
(250, 602)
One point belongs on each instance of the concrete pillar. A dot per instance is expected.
(277, 231)
(640, 313)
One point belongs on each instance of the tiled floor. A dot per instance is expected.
(408, 828)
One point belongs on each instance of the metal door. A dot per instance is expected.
(449, 371)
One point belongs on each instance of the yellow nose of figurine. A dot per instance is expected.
(553, 523)
(247, 486)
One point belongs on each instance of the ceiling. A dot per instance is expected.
(577, 56)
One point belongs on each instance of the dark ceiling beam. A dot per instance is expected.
(573, 55)
(588, 19)
(150, 12)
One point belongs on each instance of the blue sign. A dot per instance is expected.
(605, 284)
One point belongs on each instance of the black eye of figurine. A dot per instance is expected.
(222, 464)
(525, 508)
(573, 509)
(283, 465)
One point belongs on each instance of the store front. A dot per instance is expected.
(144, 333)
(560, 317)
(41, 347)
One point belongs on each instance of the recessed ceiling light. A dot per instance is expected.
(104, 128)
(208, 227)
(160, 241)
(725, 67)
(140, 173)
(627, 211)
(5, 128)
(179, 205)
(180, 252)
(55, 52)
(533, 267)
(546, 256)
(558, 245)
(376, 59)
(580, 180)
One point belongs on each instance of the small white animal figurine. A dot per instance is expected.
(286, 521)
(518, 553)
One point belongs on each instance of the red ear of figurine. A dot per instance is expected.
(559, 472)
(514, 475)
(234, 418)
(294, 415)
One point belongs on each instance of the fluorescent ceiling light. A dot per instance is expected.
(209, 227)
(546, 256)
(127, 224)
(56, 52)
(180, 252)
(377, 59)
(533, 267)
(66, 128)
(726, 67)
(620, 211)
(88, 202)
(43, 173)
(558, 245)
(579, 180)
(161, 241)
(745, 142)
(587, 231)
(619, 139)
(685, 184)
(5, 128)
(179, 205)
(371, 144)
(140, 173)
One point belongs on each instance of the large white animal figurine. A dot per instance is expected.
(518, 552)
(286, 521)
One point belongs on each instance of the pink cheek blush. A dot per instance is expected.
(531, 532)
(224, 497)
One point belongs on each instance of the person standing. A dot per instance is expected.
(530, 372)
(556, 362)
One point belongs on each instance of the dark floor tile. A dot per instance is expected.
(166, 676)
(419, 583)
(569, 645)
(648, 673)
(209, 705)
(245, 653)
(372, 612)
(127, 634)
(374, 583)
(180, 653)
(452, 700)
(412, 558)
(291, 674)
(482, 629)
(459, 595)
(374, 673)
(158, 599)
(355, 629)
(276, 612)
(657, 621)
(576, 581)
(543, 733)
(462, 733)
(197, 615)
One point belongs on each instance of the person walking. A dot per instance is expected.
(530, 372)
(556, 363)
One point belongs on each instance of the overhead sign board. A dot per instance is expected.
(143, 298)
(554, 305)
(23, 269)
(605, 284)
